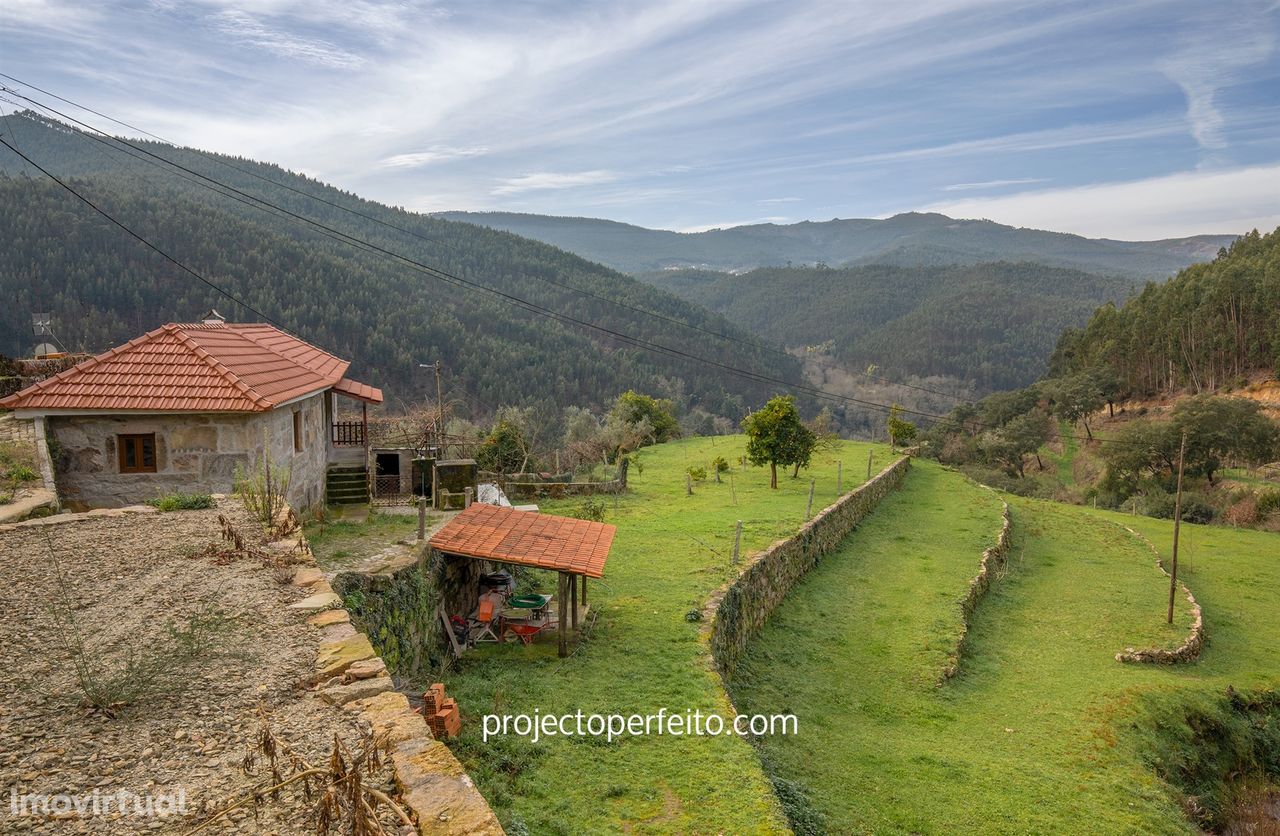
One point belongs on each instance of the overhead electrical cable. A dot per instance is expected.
(442, 275)
(756, 345)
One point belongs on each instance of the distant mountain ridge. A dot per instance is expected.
(101, 287)
(913, 239)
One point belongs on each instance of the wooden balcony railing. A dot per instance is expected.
(348, 434)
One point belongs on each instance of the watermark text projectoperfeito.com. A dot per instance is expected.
(688, 723)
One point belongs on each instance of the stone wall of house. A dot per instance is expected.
(735, 612)
(196, 453)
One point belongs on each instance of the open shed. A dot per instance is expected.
(575, 549)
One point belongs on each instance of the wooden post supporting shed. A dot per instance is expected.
(570, 547)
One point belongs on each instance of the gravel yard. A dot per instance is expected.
(128, 580)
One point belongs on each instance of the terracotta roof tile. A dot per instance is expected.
(195, 368)
(528, 538)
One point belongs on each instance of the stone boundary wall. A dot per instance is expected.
(993, 561)
(434, 787)
(737, 610)
(516, 489)
(558, 490)
(1189, 650)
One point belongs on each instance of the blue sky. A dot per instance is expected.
(1117, 119)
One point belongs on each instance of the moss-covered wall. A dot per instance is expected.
(397, 611)
(737, 611)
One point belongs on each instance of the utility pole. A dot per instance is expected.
(439, 402)
(1177, 524)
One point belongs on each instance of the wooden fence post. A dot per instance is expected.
(573, 602)
(422, 518)
(737, 542)
(839, 477)
(808, 510)
(870, 453)
(562, 606)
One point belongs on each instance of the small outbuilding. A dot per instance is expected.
(574, 549)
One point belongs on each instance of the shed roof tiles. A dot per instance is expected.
(527, 538)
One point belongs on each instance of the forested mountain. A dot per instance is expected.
(1212, 325)
(912, 239)
(993, 325)
(103, 287)
(1185, 350)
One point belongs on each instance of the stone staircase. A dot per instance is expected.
(346, 485)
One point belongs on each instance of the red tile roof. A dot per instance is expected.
(359, 391)
(213, 367)
(527, 538)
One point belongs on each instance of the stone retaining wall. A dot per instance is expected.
(993, 562)
(399, 609)
(434, 787)
(1189, 650)
(736, 611)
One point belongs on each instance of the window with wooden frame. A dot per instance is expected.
(137, 453)
(297, 432)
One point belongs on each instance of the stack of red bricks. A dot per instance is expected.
(441, 712)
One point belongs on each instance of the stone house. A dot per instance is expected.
(182, 407)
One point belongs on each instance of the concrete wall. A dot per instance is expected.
(738, 610)
(195, 453)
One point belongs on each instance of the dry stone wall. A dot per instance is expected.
(1189, 650)
(992, 563)
(735, 612)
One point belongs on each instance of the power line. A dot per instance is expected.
(757, 345)
(142, 240)
(434, 272)
(626, 339)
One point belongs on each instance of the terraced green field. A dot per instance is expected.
(671, 551)
(1044, 732)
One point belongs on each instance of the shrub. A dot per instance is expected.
(182, 502)
(17, 467)
(264, 490)
(697, 474)
(1268, 503)
(1243, 512)
(591, 509)
(1195, 508)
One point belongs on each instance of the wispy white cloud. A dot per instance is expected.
(435, 154)
(1201, 66)
(46, 14)
(552, 180)
(248, 30)
(1170, 206)
(992, 184)
(670, 113)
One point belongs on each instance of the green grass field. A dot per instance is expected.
(671, 551)
(1041, 733)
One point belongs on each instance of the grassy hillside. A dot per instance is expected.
(102, 287)
(913, 239)
(671, 551)
(993, 325)
(1044, 731)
